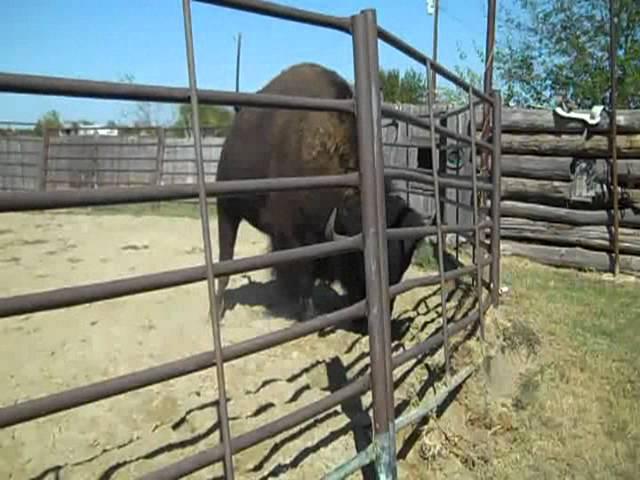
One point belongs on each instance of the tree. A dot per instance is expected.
(454, 95)
(49, 120)
(411, 87)
(141, 114)
(408, 88)
(211, 116)
(560, 48)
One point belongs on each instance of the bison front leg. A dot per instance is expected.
(296, 282)
(227, 234)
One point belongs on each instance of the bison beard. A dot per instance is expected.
(267, 143)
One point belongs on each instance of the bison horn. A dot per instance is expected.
(330, 231)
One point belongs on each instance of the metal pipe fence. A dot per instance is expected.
(372, 242)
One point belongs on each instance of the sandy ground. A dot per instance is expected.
(128, 435)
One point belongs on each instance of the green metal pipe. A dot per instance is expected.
(425, 408)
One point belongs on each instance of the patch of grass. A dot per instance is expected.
(159, 209)
(529, 387)
(520, 335)
(575, 408)
(426, 257)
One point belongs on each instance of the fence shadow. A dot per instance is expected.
(409, 325)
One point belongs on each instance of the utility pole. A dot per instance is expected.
(239, 46)
(433, 8)
(488, 70)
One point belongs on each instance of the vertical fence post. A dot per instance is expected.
(159, 155)
(439, 197)
(223, 415)
(477, 256)
(371, 163)
(613, 125)
(44, 173)
(495, 197)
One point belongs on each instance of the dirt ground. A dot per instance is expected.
(557, 396)
(125, 436)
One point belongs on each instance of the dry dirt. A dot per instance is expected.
(128, 435)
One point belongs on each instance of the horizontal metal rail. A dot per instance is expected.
(14, 202)
(76, 397)
(420, 175)
(396, 42)
(411, 283)
(406, 233)
(71, 296)
(389, 111)
(343, 24)
(62, 401)
(458, 111)
(19, 202)
(108, 290)
(430, 193)
(242, 442)
(275, 10)
(69, 87)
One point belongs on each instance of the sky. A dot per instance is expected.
(145, 38)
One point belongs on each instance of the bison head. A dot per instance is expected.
(346, 221)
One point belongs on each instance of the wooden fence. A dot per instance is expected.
(556, 190)
(61, 162)
(556, 195)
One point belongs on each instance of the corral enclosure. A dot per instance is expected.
(556, 192)
(53, 395)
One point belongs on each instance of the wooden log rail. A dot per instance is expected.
(556, 193)
(595, 237)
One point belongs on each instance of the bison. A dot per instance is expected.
(267, 143)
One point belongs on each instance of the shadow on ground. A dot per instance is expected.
(408, 326)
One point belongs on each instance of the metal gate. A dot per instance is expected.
(368, 109)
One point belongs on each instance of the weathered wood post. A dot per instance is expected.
(159, 155)
(44, 171)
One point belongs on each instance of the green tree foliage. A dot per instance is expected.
(410, 87)
(141, 114)
(454, 95)
(50, 119)
(559, 48)
(211, 116)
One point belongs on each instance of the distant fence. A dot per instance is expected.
(62, 162)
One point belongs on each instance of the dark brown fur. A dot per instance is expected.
(267, 143)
